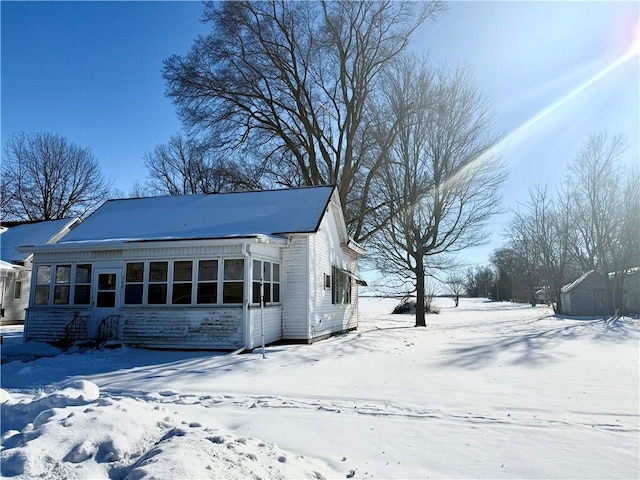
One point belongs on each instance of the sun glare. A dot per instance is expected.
(634, 46)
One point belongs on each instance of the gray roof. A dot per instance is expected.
(37, 233)
(244, 214)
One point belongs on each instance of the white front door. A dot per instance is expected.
(106, 296)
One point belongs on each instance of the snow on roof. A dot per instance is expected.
(245, 214)
(577, 281)
(36, 233)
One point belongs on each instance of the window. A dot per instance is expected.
(182, 282)
(276, 283)
(43, 284)
(207, 282)
(269, 273)
(341, 287)
(63, 285)
(157, 293)
(106, 293)
(232, 286)
(327, 281)
(82, 288)
(17, 290)
(134, 283)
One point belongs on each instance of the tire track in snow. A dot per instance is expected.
(516, 417)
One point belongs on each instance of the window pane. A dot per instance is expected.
(276, 293)
(267, 292)
(256, 293)
(42, 295)
(234, 269)
(63, 274)
(232, 292)
(135, 272)
(17, 290)
(267, 271)
(158, 271)
(61, 295)
(257, 269)
(133, 294)
(182, 271)
(107, 281)
(181, 294)
(44, 274)
(207, 293)
(157, 294)
(106, 299)
(83, 273)
(276, 272)
(207, 270)
(82, 295)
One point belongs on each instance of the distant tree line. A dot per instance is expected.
(591, 223)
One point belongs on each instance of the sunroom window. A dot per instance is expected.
(134, 283)
(207, 282)
(233, 282)
(82, 288)
(182, 282)
(157, 293)
(269, 274)
(43, 285)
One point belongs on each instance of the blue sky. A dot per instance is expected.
(91, 72)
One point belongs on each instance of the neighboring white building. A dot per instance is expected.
(186, 272)
(15, 266)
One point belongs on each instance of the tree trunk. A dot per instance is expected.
(420, 292)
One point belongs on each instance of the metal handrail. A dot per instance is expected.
(108, 328)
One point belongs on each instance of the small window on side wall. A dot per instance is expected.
(17, 290)
(327, 281)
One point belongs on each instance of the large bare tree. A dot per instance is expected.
(183, 166)
(290, 84)
(46, 177)
(441, 179)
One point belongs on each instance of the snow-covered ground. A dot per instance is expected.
(487, 390)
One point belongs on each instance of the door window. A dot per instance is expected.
(106, 297)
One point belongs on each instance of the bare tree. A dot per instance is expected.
(441, 179)
(455, 285)
(608, 199)
(291, 82)
(478, 281)
(183, 166)
(540, 236)
(45, 177)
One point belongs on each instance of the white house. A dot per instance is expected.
(15, 266)
(188, 271)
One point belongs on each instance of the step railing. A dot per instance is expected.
(108, 328)
(77, 329)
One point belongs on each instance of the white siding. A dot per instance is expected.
(48, 324)
(295, 289)
(272, 325)
(326, 252)
(212, 328)
(14, 309)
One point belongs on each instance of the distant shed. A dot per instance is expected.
(586, 295)
(216, 271)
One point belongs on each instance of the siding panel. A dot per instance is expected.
(219, 328)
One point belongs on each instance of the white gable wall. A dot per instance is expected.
(326, 251)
